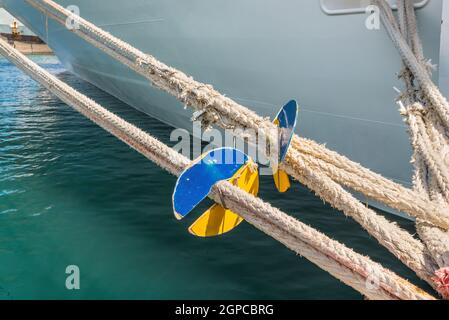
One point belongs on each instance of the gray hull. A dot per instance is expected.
(262, 54)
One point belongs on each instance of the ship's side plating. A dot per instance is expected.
(262, 54)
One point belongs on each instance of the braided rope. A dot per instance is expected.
(428, 129)
(429, 89)
(353, 269)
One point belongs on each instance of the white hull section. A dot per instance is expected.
(262, 54)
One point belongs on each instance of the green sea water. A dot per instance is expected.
(71, 194)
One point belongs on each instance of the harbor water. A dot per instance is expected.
(72, 194)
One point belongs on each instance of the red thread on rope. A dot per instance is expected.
(442, 280)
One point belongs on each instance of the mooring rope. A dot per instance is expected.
(357, 271)
(312, 164)
(425, 112)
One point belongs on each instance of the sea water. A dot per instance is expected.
(73, 195)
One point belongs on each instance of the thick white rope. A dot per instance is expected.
(353, 269)
(224, 112)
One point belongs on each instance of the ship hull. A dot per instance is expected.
(261, 54)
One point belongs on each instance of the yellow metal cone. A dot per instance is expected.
(281, 180)
(219, 220)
